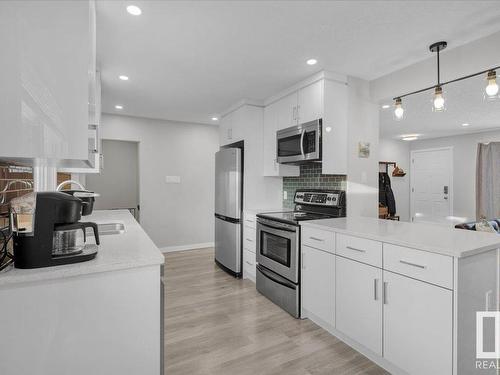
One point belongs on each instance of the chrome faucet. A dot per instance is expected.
(3, 193)
(72, 182)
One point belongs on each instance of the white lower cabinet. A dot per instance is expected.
(359, 302)
(318, 285)
(248, 265)
(418, 325)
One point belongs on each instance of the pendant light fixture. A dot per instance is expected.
(438, 101)
(398, 110)
(491, 90)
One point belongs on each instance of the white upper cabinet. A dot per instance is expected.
(334, 137)
(324, 99)
(286, 111)
(44, 69)
(271, 125)
(310, 102)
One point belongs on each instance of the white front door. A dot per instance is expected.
(432, 185)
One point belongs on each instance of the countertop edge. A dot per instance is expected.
(64, 274)
(436, 250)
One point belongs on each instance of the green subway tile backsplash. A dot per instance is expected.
(311, 178)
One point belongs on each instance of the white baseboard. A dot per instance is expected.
(194, 246)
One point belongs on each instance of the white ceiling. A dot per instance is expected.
(189, 60)
(464, 104)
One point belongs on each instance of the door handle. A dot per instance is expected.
(358, 250)
(302, 142)
(412, 264)
(384, 293)
(316, 239)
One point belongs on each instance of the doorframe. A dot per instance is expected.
(451, 190)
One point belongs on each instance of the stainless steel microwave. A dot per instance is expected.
(299, 144)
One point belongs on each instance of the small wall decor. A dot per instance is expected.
(364, 149)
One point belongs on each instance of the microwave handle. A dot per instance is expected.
(302, 142)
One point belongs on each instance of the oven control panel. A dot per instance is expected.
(332, 199)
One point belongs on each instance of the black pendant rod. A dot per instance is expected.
(438, 64)
(447, 82)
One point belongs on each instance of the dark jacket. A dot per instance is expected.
(385, 194)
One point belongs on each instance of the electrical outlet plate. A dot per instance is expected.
(173, 179)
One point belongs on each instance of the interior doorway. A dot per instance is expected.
(431, 193)
(118, 182)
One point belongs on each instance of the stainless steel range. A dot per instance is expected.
(278, 244)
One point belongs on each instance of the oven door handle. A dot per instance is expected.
(277, 279)
(276, 227)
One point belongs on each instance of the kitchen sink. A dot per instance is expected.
(106, 229)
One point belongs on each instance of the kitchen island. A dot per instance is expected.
(97, 317)
(403, 294)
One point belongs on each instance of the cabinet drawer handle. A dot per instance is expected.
(317, 239)
(353, 248)
(384, 293)
(412, 264)
(375, 289)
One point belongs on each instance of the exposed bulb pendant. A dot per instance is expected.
(438, 101)
(398, 110)
(491, 90)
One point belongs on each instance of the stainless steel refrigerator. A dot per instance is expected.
(228, 196)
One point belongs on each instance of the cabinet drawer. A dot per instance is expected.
(249, 239)
(319, 239)
(249, 263)
(250, 220)
(422, 265)
(360, 249)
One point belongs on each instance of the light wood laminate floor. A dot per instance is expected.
(216, 324)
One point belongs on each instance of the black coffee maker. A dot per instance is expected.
(48, 232)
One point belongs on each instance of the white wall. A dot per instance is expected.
(398, 151)
(464, 167)
(362, 173)
(118, 182)
(173, 215)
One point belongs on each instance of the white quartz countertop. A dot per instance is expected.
(261, 210)
(130, 249)
(434, 238)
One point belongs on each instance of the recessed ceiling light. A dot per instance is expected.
(385, 106)
(134, 10)
(410, 138)
(465, 124)
(311, 62)
(123, 78)
(215, 118)
(118, 106)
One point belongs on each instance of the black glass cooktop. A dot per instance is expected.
(293, 216)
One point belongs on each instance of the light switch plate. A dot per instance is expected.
(173, 179)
